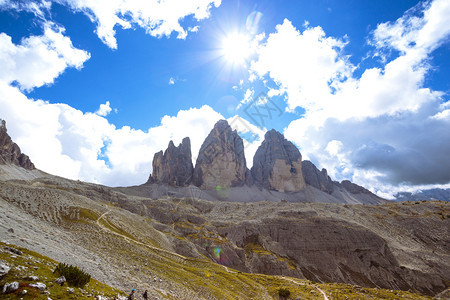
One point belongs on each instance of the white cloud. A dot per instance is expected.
(158, 18)
(64, 141)
(303, 64)
(104, 109)
(412, 32)
(38, 8)
(171, 81)
(383, 129)
(194, 29)
(248, 96)
(38, 60)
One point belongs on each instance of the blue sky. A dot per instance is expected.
(361, 87)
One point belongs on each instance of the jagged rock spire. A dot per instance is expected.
(277, 164)
(10, 152)
(174, 166)
(221, 160)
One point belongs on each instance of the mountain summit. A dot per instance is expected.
(221, 160)
(174, 166)
(10, 152)
(277, 164)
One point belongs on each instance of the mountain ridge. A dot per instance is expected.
(278, 172)
(198, 247)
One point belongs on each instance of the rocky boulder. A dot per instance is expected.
(221, 161)
(277, 164)
(174, 166)
(9, 151)
(4, 269)
(10, 287)
(318, 179)
(39, 285)
(60, 280)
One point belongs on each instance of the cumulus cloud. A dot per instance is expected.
(413, 32)
(158, 18)
(64, 141)
(104, 109)
(383, 129)
(38, 60)
(306, 65)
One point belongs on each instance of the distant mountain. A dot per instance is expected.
(431, 194)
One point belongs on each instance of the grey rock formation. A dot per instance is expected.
(174, 166)
(4, 269)
(10, 287)
(318, 179)
(322, 249)
(277, 164)
(60, 280)
(9, 151)
(221, 161)
(39, 285)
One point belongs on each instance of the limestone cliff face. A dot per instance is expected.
(316, 178)
(174, 166)
(221, 161)
(277, 164)
(9, 151)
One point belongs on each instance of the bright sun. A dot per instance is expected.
(236, 48)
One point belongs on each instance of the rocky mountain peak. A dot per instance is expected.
(221, 161)
(318, 179)
(10, 152)
(174, 166)
(277, 164)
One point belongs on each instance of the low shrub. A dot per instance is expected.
(283, 292)
(74, 276)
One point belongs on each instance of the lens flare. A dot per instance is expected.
(217, 252)
(222, 191)
(252, 22)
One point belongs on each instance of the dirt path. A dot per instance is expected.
(302, 283)
(323, 293)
